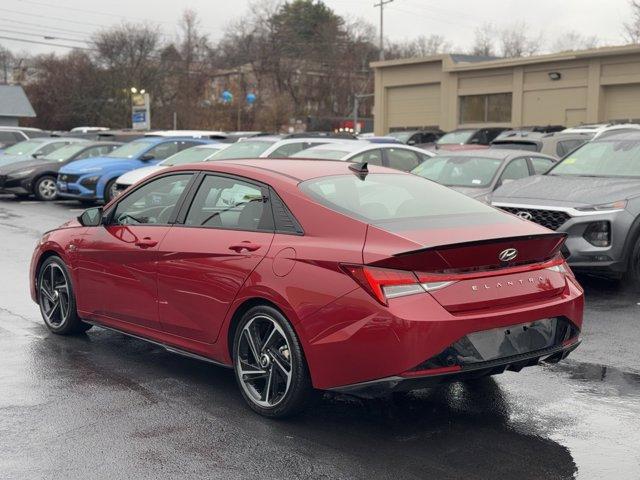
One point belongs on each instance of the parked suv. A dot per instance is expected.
(556, 144)
(95, 178)
(592, 195)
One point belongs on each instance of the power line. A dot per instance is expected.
(43, 36)
(24, 40)
(48, 17)
(65, 30)
(93, 12)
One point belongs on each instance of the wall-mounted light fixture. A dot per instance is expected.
(555, 75)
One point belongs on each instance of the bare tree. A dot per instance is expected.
(632, 28)
(6, 64)
(572, 40)
(420, 47)
(515, 42)
(484, 41)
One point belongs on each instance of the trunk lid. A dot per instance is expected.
(487, 260)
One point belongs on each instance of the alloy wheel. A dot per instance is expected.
(263, 358)
(54, 295)
(47, 189)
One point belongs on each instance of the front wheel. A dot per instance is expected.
(110, 191)
(45, 189)
(269, 364)
(57, 300)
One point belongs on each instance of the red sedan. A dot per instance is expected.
(306, 275)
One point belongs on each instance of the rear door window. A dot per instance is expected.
(565, 146)
(400, 159)
(517, 169)
(372, 157)
(541, 165)
(230, 204)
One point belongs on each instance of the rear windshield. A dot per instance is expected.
(459, 171)
(459, 136)
(388, 196)
(529, 146)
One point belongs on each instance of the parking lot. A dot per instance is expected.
(104, 405)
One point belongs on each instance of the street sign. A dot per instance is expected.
(140, 111)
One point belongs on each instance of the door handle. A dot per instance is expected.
(146, 242)
(248, 246)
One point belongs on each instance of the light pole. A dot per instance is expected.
(356, 105)
(381, 5)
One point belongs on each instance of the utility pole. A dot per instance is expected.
(381, 5)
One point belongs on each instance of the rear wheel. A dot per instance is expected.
(269, 364)
(110, 191)
(45, 188)
(56, 298)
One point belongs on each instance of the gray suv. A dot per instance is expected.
(592, 195)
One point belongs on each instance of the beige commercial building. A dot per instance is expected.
(452, 91)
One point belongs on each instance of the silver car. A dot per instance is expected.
(592, 195)
(477, 173)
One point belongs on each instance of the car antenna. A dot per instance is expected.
(360, 169)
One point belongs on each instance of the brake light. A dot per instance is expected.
(384, 283)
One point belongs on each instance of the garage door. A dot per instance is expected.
(622, 102)
(413, 106)
(562, 106)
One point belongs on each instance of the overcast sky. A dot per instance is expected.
(72, 21)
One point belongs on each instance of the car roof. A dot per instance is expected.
(632, 135)
(287, 169)
(541, 137)
(497, 153)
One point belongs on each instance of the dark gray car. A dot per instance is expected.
(477, 173)
(557, 144)
(593, 196)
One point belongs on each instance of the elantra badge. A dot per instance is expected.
(508, 255)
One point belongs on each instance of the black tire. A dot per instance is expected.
(44, 188)
(63, 319)
(632, 275)
(299, 391)
(109, 194)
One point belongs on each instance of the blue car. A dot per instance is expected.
(94, 179)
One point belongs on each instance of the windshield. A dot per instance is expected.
(401, 136)
(244, 149)
(23, 148)
(190, 155)
(321, 154)
(130, 150)
(459, 171)
(388, 196)
(64, 153)
(461, 137)
(612, 158)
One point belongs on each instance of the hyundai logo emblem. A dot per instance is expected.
(508, 255)
(525, 215)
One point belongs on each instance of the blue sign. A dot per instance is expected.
(139, 117)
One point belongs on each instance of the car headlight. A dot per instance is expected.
(619, 205)
(22, 173)
(90, 182)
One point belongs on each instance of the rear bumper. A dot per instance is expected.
(356, 340)
(404, 383)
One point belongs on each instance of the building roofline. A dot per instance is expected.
(449, 65)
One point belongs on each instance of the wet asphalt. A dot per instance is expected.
(103, 405)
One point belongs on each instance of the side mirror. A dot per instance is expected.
(92, 217)
(146, 157)
(36, 155)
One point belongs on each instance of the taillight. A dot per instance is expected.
(383, 283)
